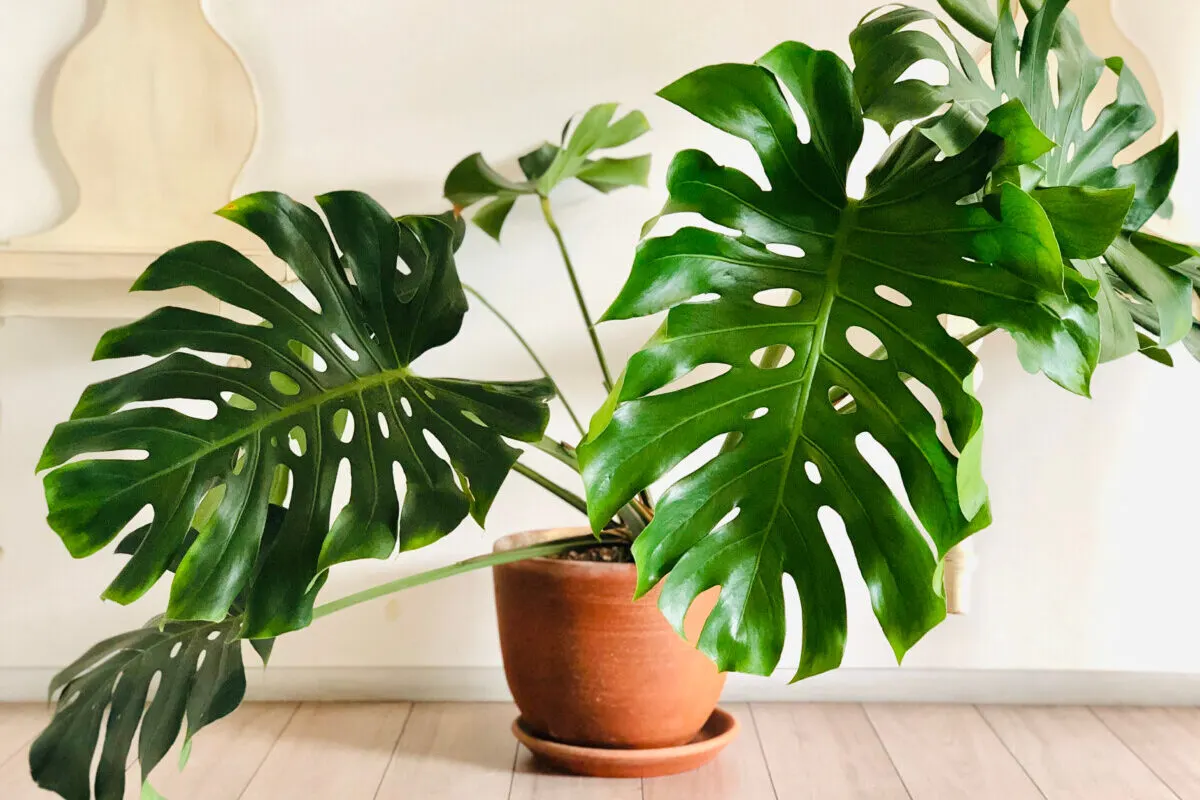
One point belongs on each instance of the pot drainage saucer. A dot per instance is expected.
(608, 762)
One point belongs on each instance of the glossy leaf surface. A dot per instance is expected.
(104, 700)
(387, 291)
(888, 44)
(882, 268)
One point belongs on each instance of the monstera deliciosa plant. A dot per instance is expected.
(245, 515)
(824, 313)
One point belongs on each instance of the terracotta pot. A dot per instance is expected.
(588, 666)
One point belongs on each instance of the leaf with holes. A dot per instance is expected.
(387, 291)
(861, 272)
(200, 678)
(887, 45)
(473, 180)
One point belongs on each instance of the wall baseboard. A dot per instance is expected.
(1051, 687)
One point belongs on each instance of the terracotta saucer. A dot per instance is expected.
(606, 762)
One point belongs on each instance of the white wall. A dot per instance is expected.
(1089, 565)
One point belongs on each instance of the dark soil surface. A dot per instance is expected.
(611, 553)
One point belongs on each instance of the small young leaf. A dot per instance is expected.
(490, 218)
(607, 174)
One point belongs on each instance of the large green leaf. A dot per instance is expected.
(387, 292)
(473, 180)
(200, 678)
(886, 45)
(888, 264)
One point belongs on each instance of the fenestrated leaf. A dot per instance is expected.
(1084, 157)
(909, 239)
(546, 166)
(390, 296)
(200, 679)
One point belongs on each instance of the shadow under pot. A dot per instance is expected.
(589, 667)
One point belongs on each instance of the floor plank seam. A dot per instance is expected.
(395, 746)
(22, 748)
(762, 749)
(886, 752)
(1004, 744)
(1134, 752)
(512, 773)
(271, 749)
(19, 751)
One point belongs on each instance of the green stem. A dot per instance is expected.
(587, 318)
(529, 350)
(635, 516)
(458, 568)
(550, 486)
(977, 334)
(561, 451)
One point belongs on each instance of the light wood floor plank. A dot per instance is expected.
(331, 750)
(15, 783)
(825, 752)
(453, 750)
(1166, 739)
(224, 757)
(948, 751)
(19, 724)
(531, 783)
(1071, 755)
(740, 771)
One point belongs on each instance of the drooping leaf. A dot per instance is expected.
(391, 295)
(887, 264)
(888, 44)
(473, 180)
(200, 680)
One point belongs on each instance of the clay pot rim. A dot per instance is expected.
(514, 540)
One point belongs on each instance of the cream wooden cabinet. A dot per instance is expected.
(154, 116)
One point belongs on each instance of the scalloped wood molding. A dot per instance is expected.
(155, 116)
(1098, 20)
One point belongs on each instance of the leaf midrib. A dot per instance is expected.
(846, 225)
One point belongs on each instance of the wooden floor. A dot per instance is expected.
(447, 751)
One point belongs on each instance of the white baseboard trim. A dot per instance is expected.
(1051, 687)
